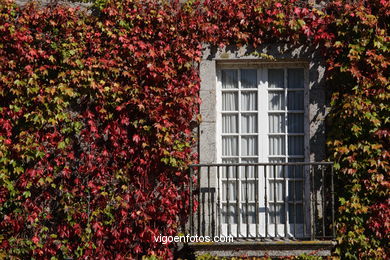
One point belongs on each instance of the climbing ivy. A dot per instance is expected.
(98, 106)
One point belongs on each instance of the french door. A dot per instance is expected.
(262, 119)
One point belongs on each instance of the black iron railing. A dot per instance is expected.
(292, 200)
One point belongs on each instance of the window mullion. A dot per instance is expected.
(285, 114)
(259, 152)
(286, 149)
(238, 169)
(239, 116)
(260, 73)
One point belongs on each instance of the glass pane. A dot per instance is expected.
(232, 169)
(295, 100)
(276, 100)
(277, 168)
(248, 78)
(251, 217)
(248, 101)
(248, 145)
(295, 123)
(229, 101)
(276, 78)
(276, 123)
(249, 123)
(229, 123)
(295, 145)
(295, 215)
(298, 190)
(277, 145)
(295, 171)
(280, 213)
(229, 79)
(295, 78)
(251, 190)
(278, 191)
(232, 191)
(232, 219)
(251, 169)
(229, 145)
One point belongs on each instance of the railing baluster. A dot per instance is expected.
(304, 197)
(219, 202)
(203, 196)
(256, 201)
(323, 200)
(209, 199)
(199, 200)
(227, 200)
(276, 231)
(191, 203)
(332, 193)
(265, 200)
(312, 203)
(246, 201)
(238, 201)
(294, 202)
(285, 199)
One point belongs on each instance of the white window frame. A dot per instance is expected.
(263, 140)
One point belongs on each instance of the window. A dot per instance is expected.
(262, 118)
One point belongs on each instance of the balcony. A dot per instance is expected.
(267, 207)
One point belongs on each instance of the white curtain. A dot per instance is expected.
(279, 190)
(280, 213)
(249, 101)
(251, 190)
(232, 214)
(229, 145)
(295, 123)
(232, 170)
(296, 171)
(229, 79)
(276, 123)
(251, 213)
(250, 169)
(249, 78)
(230, 101)
(229, 123)
(277, 145)
(248, 145)
(298, 190)
(276, 78)
(232, 190)
(295, 78)
(276, 100)
(295, 145)
(249, 123)
(298, 214)
(278, 169)
(295, 100)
